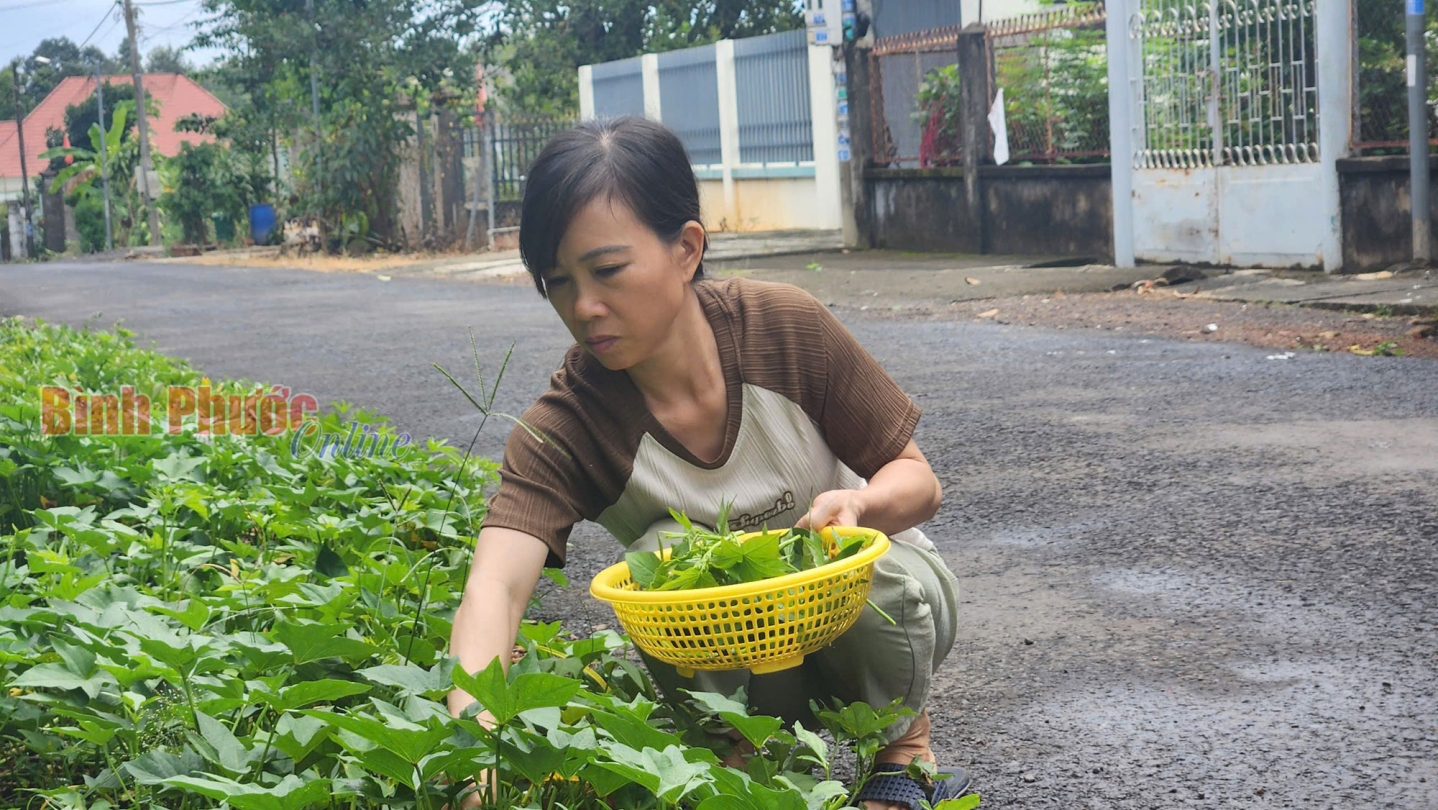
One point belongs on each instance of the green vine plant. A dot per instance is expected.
(203, 623)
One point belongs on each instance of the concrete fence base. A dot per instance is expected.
(1034, 210)
(1377, 223)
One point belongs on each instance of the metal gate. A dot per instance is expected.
(1226, 159)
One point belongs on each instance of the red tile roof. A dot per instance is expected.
(174, 94)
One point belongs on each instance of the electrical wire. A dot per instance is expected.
(29, 4)
(8, 45)
(172, 26)
(105, 16)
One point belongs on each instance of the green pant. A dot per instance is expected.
(874, 661)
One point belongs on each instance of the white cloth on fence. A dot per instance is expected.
(1000, 128)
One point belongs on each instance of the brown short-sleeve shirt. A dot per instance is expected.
(809, 411)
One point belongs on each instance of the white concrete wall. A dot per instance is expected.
(649, 67)
(765, 204)
(1122, 69)
(586, 92)
(728, 132)
(15, 221)
(742, 197)
(1334, 31)
(828, 207)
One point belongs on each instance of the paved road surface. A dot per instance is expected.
(1194, 576)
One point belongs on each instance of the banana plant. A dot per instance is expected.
(85, 168)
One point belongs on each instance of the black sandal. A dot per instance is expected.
(891, 783)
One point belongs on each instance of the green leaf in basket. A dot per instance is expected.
(700, 558)
(849, 546)
(727, 553)
(815, 554)
(762, 559)
(682, 519)
(687, 579)
(643, 567)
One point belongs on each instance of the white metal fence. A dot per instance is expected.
(771, 100)
(764, 120)
(1253, 100)
(619, 87)
(689, 99)
(771, 76)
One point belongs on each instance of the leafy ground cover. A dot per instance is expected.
(196, 622)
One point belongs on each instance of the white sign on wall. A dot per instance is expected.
(824, 19)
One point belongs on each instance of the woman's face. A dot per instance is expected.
(617, 285)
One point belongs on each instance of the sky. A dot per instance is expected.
(24, 23)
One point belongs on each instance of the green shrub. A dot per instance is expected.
(204, 622)
(89, 212)
(199, 182)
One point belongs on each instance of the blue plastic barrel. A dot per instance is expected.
(262, 222)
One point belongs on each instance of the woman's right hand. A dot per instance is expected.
(475, 798)
(506, 568)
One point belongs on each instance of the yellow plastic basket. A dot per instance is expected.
(763, 626)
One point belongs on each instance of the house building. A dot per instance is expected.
(173, 94)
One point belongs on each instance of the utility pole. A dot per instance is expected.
(1418, 133)
(24, 173)
(489, 163)
(104, 167)
(141, 121)
(315, 86)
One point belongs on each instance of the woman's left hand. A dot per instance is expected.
(901, 495)
(838, 507)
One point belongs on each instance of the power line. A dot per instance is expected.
(16, 43)
(163, 3)
(30, 4)
(103, 17)
(172, 26)
(109, 30)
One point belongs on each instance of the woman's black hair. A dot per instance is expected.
(631, 160)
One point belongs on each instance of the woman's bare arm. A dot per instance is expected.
(901, 495)
(506, 568)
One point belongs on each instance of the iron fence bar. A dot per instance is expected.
(1073, 16)
(1045, 134)
(931, 40)
(1213, 87)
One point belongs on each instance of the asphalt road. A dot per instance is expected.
(1194, 576)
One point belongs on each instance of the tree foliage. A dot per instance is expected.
(82, 181)
(165, 59)
(1382, 91)
(1056, 95)
(79, 117)
(38, 79)
(374, 63)
(542, 43)
(199, 182)
(681, 24)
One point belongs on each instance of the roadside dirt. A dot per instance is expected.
(272, 258)
(1163, 314)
